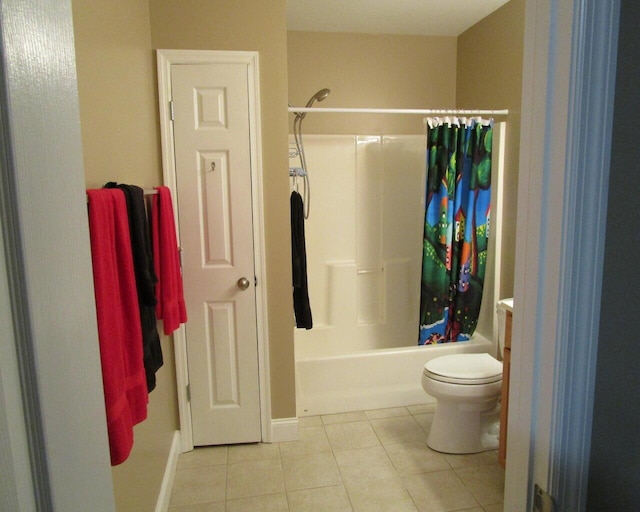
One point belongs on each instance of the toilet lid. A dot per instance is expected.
(464, 369)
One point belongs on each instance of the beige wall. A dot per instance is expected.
(118, 103)
(116, 83)
(482, 68)
(253, 26)
(490, 76)
(371, 71)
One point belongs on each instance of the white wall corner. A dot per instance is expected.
(283, 429)
(164, 496)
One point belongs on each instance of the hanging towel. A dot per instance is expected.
(120, 337)
(145, 279)
(301, 305)
(170, 308)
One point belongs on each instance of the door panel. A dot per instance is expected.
(213, 168)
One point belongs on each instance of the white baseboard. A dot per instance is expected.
(169, 474)
(284, 429)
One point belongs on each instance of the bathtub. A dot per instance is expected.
(372, 379)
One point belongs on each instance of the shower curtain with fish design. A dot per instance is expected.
(456, 228)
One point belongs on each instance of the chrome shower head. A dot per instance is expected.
(319, 96)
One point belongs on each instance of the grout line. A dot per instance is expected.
(226, 478)
(344, 484)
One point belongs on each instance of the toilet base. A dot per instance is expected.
(456, 430)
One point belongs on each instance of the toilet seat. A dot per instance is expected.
(467, 369)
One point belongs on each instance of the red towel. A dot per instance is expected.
(119, 332)
(166, 259)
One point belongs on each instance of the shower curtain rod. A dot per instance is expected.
(445, 112)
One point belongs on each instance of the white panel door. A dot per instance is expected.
(213, 171)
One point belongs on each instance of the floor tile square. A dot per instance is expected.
(364, 464)
(416, 457)
(343, 417)
(309, 471)
(425, 421)
(309, 421)
(402, 429)
(380, 496)
(265, 503)
(422, 408)
(486, 483)
(439, 491)
(203, 456)
(253, 451)
(198, 485)
(254, 478)
(386, 413)
(329, 499)
(471, 459)
(498, 507)
(310, 440)
(217, 506)
(345, 436)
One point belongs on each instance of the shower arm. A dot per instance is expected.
(297, 134)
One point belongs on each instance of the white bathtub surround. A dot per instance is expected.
(363, 242)
(364, 263)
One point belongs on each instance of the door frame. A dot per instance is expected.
(166, 59)
(568, 95)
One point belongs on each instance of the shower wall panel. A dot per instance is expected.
(364, 242)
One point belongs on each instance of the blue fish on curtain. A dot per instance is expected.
(456, 229)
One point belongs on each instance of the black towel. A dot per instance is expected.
(145, 279)
(301, 305)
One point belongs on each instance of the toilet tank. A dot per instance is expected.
(502, 307)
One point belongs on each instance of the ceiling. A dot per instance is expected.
(409, 17)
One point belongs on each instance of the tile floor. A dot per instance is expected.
(361, 461)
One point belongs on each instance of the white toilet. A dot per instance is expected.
(467, 388)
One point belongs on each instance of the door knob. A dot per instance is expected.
(243, 283)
